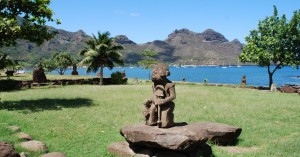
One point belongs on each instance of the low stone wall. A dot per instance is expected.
(106, 81)
(91, 81)
(290, 89)
(7, 85)
(237, 86)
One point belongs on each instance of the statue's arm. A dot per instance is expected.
(172, 95)
(168, 99)
(148, 102)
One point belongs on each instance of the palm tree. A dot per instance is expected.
(102, 52)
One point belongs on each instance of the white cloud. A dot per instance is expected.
(134, 14)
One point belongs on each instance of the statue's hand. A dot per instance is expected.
(159, 102)
(147, 102)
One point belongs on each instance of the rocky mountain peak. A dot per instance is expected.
(184, 31)
(159, 43)
(180, 35)
(122, 39)
(210, 35)
(235, 41)
(80, 36)
(180, 32)
(80, 31)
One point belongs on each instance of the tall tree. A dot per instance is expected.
(102, 52)
(148, 62)
(273, 44)
(25, 19)
(59, 62)
(294, 34)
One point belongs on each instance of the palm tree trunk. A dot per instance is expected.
(101, 76)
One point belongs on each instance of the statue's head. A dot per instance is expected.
(160, 71)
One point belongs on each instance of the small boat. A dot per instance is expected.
(238, 65)
(224, 66)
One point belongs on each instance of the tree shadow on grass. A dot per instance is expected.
(44, 104)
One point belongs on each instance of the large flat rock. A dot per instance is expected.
(120, 149)
(124, 149)
(221, 134)
(180, 137)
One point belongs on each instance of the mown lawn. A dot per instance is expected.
(82, 120)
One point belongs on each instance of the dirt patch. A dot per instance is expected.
(234, 150)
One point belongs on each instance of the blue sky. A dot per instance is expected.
(147, 20)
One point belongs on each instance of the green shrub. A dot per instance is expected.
(6, 85)
(117, 78)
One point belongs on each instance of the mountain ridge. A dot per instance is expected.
(182, 46)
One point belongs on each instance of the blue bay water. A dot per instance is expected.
(256, 76)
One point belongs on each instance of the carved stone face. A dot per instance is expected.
(160, 71)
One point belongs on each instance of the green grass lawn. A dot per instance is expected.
(82, 120)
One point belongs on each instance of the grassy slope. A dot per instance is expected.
(84, 120)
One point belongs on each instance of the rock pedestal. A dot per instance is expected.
(221, 134)
(182, 140)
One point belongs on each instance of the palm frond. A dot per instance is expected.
(117, 47)
(91, 43)
(91, 53)
(82, 52)
(101, 52)
(101, 47)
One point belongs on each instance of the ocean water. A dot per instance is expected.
(256, 76)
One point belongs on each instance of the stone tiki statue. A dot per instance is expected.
(158, 110)
(244, 80)
(38, 75)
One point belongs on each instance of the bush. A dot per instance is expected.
(6, 85)
(117, 78)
